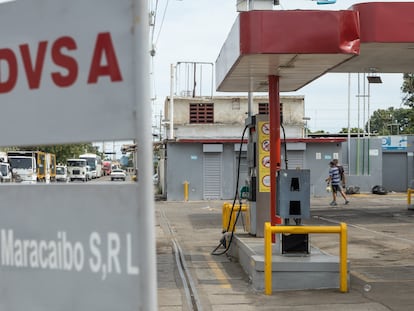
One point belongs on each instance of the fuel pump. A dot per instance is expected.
(293, 205)
(258, 159)
(293, 188)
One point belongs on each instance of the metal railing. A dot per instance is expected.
(343, 249)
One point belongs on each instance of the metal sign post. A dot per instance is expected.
(143, 134)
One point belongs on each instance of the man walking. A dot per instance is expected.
(334, 179)
(341, 173)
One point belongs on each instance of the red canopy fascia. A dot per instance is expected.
(299, 32)
(298, 46)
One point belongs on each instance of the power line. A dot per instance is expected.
(162, 21)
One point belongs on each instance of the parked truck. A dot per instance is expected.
(107, 167)
(62, 173)
(77, 169)
(24, 168)
(32, 166)
(5, 172)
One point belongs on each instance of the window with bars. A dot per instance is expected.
(263, 108)
(202, 113)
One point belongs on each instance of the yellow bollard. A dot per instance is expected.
(409, 192)
(229, 215)
(343, 253)
(225, 216)
(186, 183)
(268, 258)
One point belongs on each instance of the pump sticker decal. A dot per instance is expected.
(266, 161)
(264, 156)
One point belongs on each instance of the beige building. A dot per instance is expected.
(224, 116)
(204, 148)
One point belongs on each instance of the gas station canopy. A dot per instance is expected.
(301, 45)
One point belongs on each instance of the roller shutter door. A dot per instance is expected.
(394, 171)
(295, 159)
(212, 176)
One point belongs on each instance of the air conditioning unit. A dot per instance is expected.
(255, 5)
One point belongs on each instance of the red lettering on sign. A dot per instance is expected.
(104, 62)
(65, 61)
(8, 56)
(104, 46)
(33, 73)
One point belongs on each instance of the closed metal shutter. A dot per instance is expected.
(295, 159)
(212, 176)
(394, 176)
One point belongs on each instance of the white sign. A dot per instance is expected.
(63, 247)
(66, 71)
(374, 152)
(394, 142)
(76, 71)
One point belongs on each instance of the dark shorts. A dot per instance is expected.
(336, 188)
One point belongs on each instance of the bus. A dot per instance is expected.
(95, 163)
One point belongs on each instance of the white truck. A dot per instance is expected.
(62, 173)
(3, 156)
(5, 172)
(77, 169)
(24, 168)
(43, 169)
(5, 169)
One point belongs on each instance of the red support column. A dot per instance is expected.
(275, 143)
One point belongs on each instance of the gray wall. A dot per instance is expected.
(185, 163)
(366, 167)
(398, 167)
(319, 168)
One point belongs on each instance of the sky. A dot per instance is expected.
(195, 30)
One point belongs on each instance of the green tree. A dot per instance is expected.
(316, 132)
(408, 88)
(63, 152)
(353, 130)
(392, 121)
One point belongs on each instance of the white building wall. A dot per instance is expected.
(230, 114)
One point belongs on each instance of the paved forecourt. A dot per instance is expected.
(380, 238)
